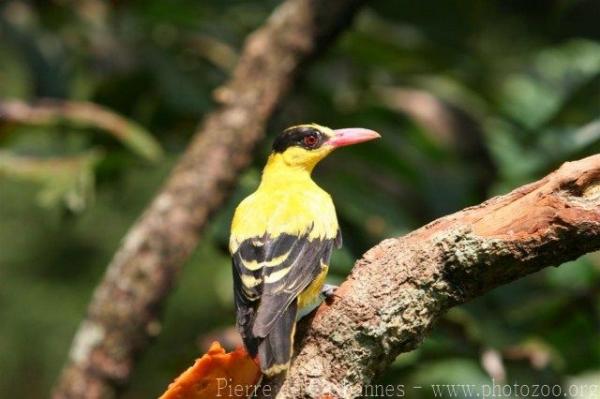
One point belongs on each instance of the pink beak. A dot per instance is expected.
(352, 135)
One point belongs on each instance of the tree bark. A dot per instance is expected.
(400, 287)
(124, 311)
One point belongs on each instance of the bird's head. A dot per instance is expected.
(305, 145)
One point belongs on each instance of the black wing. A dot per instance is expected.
(269, 273)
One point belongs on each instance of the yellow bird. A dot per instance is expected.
(282, 237)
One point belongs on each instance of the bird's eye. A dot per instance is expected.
(310, 140)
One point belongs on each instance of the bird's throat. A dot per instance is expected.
(279, 173)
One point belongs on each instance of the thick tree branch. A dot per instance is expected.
(124, 312)
(403, 285)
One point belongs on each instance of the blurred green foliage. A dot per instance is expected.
(523, 76)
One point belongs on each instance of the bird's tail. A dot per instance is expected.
(275, 350)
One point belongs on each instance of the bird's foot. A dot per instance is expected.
(328, 291)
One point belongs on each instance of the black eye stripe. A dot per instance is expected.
(295, 136)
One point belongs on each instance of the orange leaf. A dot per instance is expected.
(216, 375)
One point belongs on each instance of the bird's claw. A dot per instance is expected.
(328, 291)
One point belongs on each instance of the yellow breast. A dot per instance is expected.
(291, 207)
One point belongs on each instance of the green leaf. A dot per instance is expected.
(532, 97)
(67, 180)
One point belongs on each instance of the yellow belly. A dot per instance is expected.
(311, 293)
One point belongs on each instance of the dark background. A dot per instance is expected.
(472, 98)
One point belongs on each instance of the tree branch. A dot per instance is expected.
(49, 111)
(403, 285)
(124, 311)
